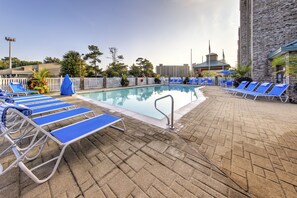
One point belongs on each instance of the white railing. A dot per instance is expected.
(132, 81)
(113, 82)
(93, 83)
(150, 81)
(4, 82)
(54, 84)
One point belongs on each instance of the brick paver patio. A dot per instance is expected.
(225, 147)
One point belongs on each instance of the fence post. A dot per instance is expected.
(104, 82)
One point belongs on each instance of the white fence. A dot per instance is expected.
(132, 81)
(54, 84)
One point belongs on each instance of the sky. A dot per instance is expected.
(162, 31)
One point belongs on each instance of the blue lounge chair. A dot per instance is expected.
(191, 81)
(209, 81)
(229, 83)
(203, 81)
(39, 100)
(196, 81)
(180, 81)
(261, 89)
(17, 89)
(241, 86)
(63, 137)
(251, 87)
(277, 91)
(51, 108)
(171, 80)
(43, 104)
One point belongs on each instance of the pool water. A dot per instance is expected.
(141, 99)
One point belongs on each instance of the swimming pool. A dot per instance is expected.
(141, 99)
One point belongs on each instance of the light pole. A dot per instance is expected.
(81, 73)
(9, 39)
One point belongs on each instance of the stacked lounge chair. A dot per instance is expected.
(18, 89)
(17, 126)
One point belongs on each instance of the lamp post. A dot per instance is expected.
(81, 73)
(9, 39)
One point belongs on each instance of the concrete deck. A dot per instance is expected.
(225, 147)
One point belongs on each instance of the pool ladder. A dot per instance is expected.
(172, 110)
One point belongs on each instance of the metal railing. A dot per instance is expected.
(172, 110)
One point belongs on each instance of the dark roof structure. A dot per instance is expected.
(212, 63)
(284, 49)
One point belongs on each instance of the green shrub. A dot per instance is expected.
(187, 79)
(124, 80)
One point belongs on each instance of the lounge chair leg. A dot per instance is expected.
(118, 128)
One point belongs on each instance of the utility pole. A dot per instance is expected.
(9, 39)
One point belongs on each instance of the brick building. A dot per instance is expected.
(265, 27)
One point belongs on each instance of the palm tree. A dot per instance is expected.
(39, 80)
(242, 70)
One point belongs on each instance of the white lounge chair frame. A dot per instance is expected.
(23, 155)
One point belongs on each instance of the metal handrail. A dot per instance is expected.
(172, 110)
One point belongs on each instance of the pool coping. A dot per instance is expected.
(162, 123)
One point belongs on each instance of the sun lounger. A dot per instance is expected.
(51, 108)
(29, 97)
(63, 137)
(251, 87)
(203, 81)
(229, 83)
(17, 88)
(209, 81)
(241, 86)
(43, 104)
(191, 81)
(277, 91)
(263, 88)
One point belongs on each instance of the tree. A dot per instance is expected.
(38, 81)
(242, 70)
(114, 56)
(147, 67)
(93, 56)
(4, 63)
(51, 60)
(72, 64)
(116, 69)
(135, 70)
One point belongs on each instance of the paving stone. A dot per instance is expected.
(94, 191)
(161, 187)
(261, 187)
(135, 162)
(10, 191)
(271, 176)
(261, 162)
(162, 173)
(242, 163)
(175, 152)
(255, 150)
(143, 179)
(216, 185)
(289, 167)
(158, 156)
(183, 169)
(153, 192)
(121, 185)
(177, 188)
(259, 171)
(107, 191)
(138, 193)
(158, 146)
(287, 177)
(102, 169)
